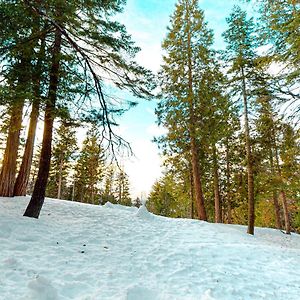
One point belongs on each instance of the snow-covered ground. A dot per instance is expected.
(80, 251)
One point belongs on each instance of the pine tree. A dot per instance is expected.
(64, 148)
(217, 114)
(268, 126)
(89, 169)
(170, 197)
(188, 55)
(109, 182)
(160, 200)
(122, 192)
(240, 52)
(137, 202)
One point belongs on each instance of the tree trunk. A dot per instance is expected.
(277, 211)
(275, 197)
(73, 190)
(192, 121)
(218, 210)
(9, 164)
(92, 195)
(21, 184)
(285, 212)
(282, 193)
(228, 190)
(20, 187)
(191, 192)
(37, 200)
(59, 180)
(251, 208)
(197, 182)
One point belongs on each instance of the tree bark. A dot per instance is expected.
(191, 192)
(197, 182)
(218, 210)
(228, 190)
(275, 197)
(285, 212)
(21, 184)
(277, 211)
(37, 200)
(59, 180)
(9, 163)
(282, 193)
(251, 207)
(73, 191)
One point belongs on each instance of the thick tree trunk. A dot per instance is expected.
(9, 164)
(251, 208)
(218, 209)
(24, 172)
(197, 182)
(37, 200)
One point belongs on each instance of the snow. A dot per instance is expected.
(81, 251)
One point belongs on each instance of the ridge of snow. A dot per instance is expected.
(86, 252)
(143, 213)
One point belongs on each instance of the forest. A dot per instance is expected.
(232, 144)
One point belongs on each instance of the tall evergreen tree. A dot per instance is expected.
(89, 170)
(122, 192)
(109, 182)
(240, 52)
(267, 128)
(64, 148)
(188, 55)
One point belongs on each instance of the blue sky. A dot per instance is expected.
(146, 21)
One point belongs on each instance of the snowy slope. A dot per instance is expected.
(77, 251)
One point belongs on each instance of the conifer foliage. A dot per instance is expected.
(63, 156)
(89, 169)
(226, 147)
(55, 54)
(187, 58)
